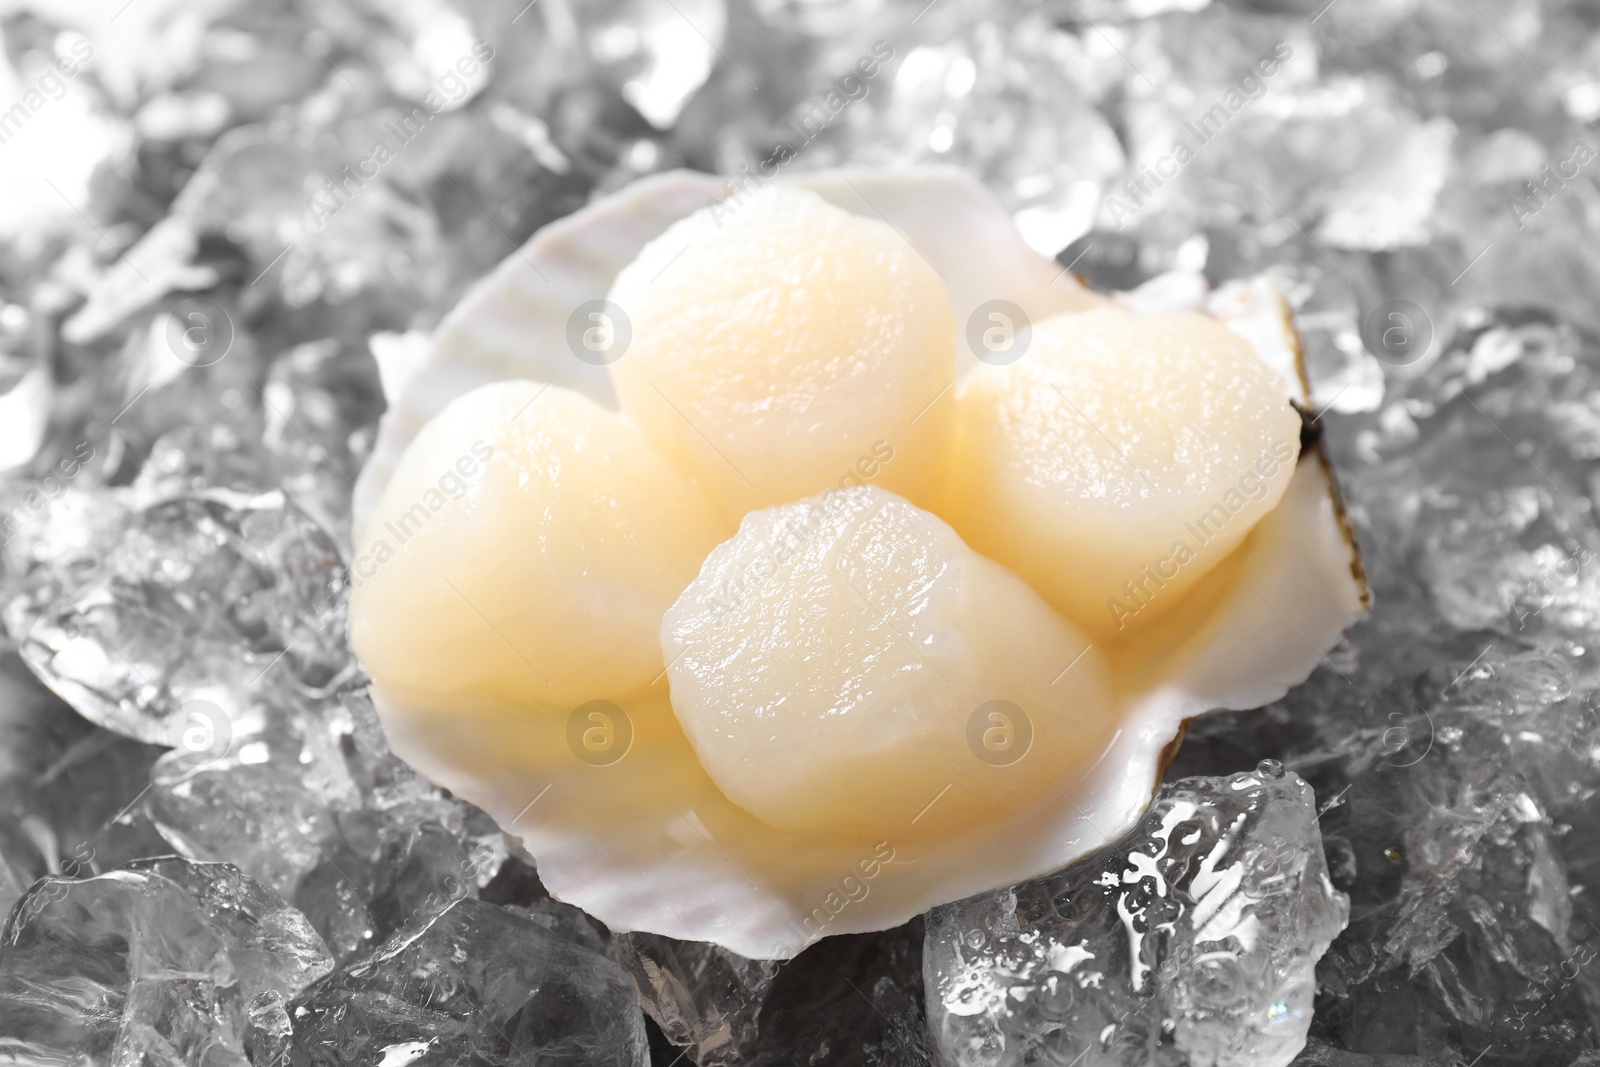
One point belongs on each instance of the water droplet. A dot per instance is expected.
(1270, 769)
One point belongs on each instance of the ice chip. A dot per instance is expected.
(854, 999)
(1198, 933)
(196, 597)
(156, 964)
(478, 984)
(272, 946)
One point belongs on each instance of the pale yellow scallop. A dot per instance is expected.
(781, 346)
(846, 665)
(523, 554)
(1121, 459)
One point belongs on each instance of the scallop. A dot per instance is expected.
(1122, 460)
(784, 345)
(821, 740)
(847, 663)
(522, 556)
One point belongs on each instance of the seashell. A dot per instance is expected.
(648, 842)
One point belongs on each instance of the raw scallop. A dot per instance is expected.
(523, 554)
(847, 664)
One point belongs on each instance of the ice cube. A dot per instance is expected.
(195, 597)
(158, 964)
(476, 985)
(853, 1000)
(1197, 934)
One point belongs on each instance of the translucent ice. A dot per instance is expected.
(478, 984)
(1196, 935)
(702, 996)
(157, 964)
(852, 1000)
(316, 807)
(192, 598)
(273, 948)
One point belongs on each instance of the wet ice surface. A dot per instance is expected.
(175, 515)
(218, 576)
(477, 984)
(854, 999)
(1194, 939)
(174, 961)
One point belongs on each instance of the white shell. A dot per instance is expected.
(650, 843)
